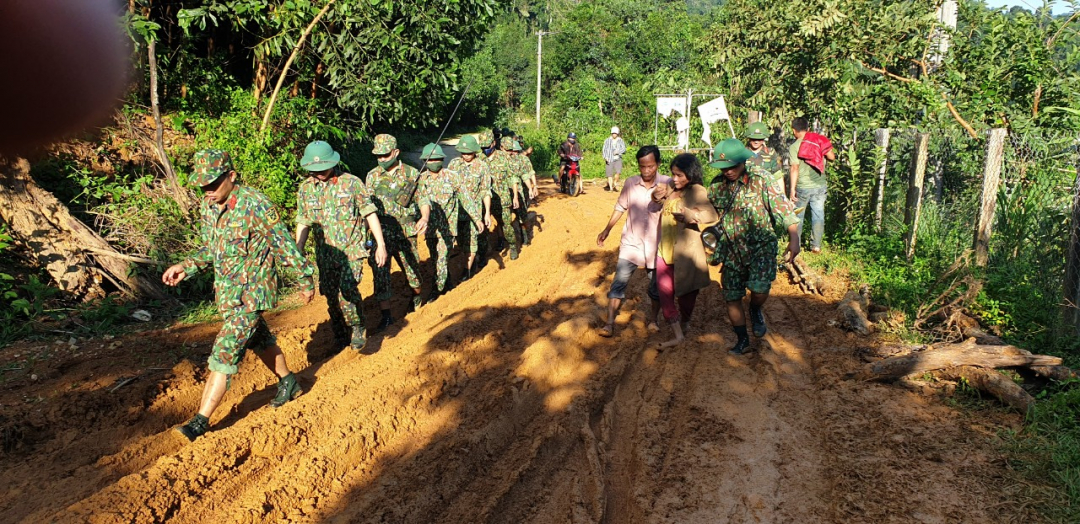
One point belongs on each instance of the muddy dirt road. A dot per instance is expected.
(499, 403)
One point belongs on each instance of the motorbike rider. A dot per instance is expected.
(569, 148)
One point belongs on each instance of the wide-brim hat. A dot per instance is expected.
(467, 144)
(319, 156)
(730, 153)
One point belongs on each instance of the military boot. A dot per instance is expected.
(195, 428)
(757, 321)
(514, 253)
(742, 346)
(359, 338)
(287, 389)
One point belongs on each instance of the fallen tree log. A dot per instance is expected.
(1001, 387)
(966, 353)
(854, 308)
(972, 329)
(72, 253)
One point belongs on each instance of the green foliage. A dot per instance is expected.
(270, 161)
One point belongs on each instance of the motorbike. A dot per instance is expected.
(570, 181)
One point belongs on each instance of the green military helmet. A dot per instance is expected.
(467, 144)
(507, 143)
(319, 156)
(757, 131)
(485, 138)
(516, 146)
(384, 144)
(730, 153)
(209, 165)
(432, 152)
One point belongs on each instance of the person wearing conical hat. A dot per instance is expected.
(751, 211)
(338, 206)
(474, 196)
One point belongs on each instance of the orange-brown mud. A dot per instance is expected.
(499, 403)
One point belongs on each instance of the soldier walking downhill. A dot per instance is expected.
(751, 209)
(504, 190)
(336, 205)
(438, 198)
(401, 221)
(474, 194)
(527, 190)
(245, 242)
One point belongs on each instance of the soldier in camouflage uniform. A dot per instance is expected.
(400, 218)
(474, 195)
(438, 198)
(487, 143)
(526, 190)
(505, 190)
(336, 205)
(244, 240)
(764, 158)
(750, 210)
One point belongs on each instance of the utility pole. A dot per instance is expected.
(539, 57)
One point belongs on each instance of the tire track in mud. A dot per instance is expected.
(499, 403)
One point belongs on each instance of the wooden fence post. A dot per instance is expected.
(995, 154)
(1072, 266)
(881, 141)
(753, 116)
(915, 190)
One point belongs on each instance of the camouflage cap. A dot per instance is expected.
(507, 143)
(384, 144)
(208, 165)
(757, 131)
(485, 138)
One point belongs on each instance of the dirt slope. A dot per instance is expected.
(499, 403)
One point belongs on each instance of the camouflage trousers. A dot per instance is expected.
(241, 330)
(440, 238)
(339, 282)
(467, 230)
(755, 273)
(522, 213)
(403, 249)
(502, 207)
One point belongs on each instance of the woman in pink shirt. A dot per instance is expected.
(637, 247)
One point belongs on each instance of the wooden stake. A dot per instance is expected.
(753, 116)
(995, 153)
(915, 190)
(881, 141)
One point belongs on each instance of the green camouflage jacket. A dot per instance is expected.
(441, 190)
(337, 209)
(245, 240)
(525, 169)
(475, 185)
(504, 173)
(744, 206)
(384, 188)
(767, 160)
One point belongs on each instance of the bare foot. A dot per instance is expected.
(653, 327)
(606, 331)
(671, 343)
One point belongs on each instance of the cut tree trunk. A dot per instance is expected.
(854, 307)
(1001, 387)
(966, 353)
(76, 257)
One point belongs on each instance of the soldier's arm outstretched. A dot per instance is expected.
(285, 251)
